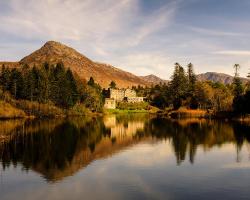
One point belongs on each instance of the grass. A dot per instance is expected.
(7, 111)
(188, 113)
(118, 111)
(78, 110)
(32, 108)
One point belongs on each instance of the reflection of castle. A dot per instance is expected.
(118, 95)
(122, 130)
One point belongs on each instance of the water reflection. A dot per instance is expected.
(59, 148)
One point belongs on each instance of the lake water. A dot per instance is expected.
(124, 157)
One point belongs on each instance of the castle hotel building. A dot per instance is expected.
(118, 95)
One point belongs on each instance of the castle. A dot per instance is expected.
(118, 95)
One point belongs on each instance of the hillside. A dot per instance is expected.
(218, 77)
(153, 79)
(54, 52)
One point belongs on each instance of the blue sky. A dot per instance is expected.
(140, 36)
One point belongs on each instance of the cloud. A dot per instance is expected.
(131, 34)
(110, 30)
(67, 19)
(233, 53)
(88, 20)
(215, 32)
(145, 63)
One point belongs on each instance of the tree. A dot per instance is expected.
(16, 83)
(71, 89)
(112, 85)
(192, 102)
(178, 86)
(238, 87)
(248, 82)
(5, 78)
(191, 78)
(238, 102)
(91, 82)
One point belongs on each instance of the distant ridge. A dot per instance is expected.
(218, 77)
(153, 79)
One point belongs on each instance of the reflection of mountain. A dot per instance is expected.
(65, 148)
(59, 148)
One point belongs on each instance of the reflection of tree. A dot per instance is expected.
(186, 137)
(241, 134)
(48, 151)
(59, 148)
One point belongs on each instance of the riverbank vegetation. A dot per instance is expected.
(54, 91)
(186, 96)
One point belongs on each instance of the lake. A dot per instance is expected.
(133, 156)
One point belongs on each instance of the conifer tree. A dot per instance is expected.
(5, 78)
(71, 89)
(16, 83)
(239, 101)
(238, 87)
(191, 78)
(91, 82)
(178, 85)
(112, 85)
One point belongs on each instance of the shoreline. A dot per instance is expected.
(182, 113)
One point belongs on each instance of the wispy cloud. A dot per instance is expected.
(233, 53)
(137, 35)
(98, 28)
(212, 32)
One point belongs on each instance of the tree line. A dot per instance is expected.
(58, 85)
(50, 84)
(184, 90)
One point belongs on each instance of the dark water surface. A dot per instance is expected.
(124, 157)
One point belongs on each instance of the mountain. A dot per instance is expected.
(54, 52)
(153, 79)
(218, 77)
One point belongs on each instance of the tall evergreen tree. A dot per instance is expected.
(238, 87)
(71, 89)
(16, 83)
(91, 82)
(178, 85)
(239, 101)
(191, 77)
(5, 78)
(112, 85)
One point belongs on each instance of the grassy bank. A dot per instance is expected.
(31, 109)
(118, 111)
(136, 109)
(7, 111)
(187, 113)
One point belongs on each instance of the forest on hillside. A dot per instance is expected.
(50, 84)
(58, 87)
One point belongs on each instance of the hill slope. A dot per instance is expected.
(54, 52)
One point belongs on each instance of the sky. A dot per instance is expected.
(140, 36)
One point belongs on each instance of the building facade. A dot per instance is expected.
(119, 95)
(110, 103)
(134, 99)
